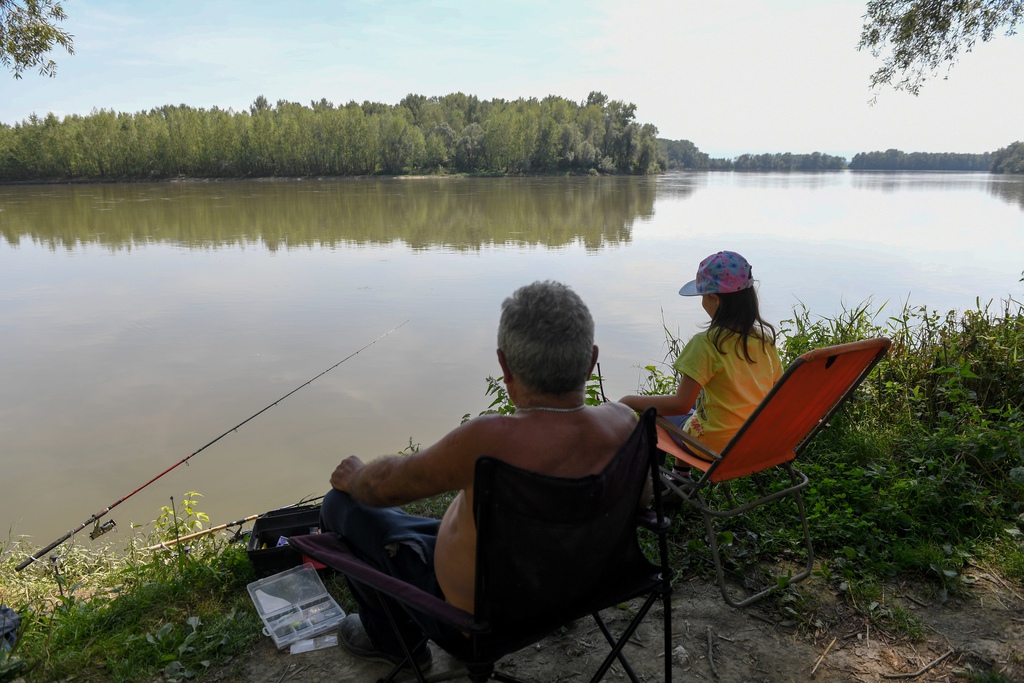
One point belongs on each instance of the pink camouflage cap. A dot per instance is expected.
(721, 273)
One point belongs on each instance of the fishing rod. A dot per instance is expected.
(101, 529)
(188, 537)
(166, 545)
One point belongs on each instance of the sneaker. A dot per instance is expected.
(354, 639)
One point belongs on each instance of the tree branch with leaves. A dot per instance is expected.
(28, 32)
(917, 37)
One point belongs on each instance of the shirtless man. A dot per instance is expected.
(546, 351)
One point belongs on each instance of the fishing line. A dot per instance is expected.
(99, 529)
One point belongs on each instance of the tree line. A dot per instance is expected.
(897, 160)
(1009, 159)
(455, 133)
(684, 155)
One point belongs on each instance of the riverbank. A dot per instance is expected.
(976, 636)
(174, 617)
(916, 508)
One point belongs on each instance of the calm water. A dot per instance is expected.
(141, 321)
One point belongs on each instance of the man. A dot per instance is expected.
(546, 351)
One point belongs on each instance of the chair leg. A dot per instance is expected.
(720, 570)
(666, 600)
(620, 643)
(409, 660)
(807, 540)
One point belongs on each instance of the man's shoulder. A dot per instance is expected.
(614, 408)
(490, 427)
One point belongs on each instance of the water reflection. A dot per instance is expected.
(889, 181)
(1009, 189)
(458, 214)
(812, 181)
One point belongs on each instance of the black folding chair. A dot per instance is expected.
(549, 551)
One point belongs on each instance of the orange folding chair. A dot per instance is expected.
(800, 404)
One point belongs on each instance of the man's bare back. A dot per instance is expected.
(557, 444)
(566, 445)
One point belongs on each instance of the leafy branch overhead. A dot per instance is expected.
(917, 37)
(28, 32)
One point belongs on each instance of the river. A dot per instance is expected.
(140, 321)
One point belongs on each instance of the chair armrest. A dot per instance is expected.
(696, 447)
(331, 551)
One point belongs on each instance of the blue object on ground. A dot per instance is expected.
(9, 624)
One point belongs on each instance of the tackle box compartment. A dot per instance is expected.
(294, 605)
(266, 552)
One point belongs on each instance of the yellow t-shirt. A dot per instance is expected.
(731, 386)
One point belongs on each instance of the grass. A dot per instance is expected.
(921, 475)
(126, 615)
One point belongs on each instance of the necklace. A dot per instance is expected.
(551, 410)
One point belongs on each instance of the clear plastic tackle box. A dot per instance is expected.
(294, 605)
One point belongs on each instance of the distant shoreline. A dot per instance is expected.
(459, 176)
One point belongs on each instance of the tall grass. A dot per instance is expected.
(923, 470)
(930, 454)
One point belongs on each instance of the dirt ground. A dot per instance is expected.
(981, 631)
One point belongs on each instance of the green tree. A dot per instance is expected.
(572, 151)
(648, 158)
(28, 32)
(919, 36)
(469, 148)
(682, 154)
(361, 138)
(438, 146)
(401, 143)
(1009, 159)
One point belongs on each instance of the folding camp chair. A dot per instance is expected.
(549, 550)
(800, 404)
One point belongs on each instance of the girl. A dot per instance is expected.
(727, 369)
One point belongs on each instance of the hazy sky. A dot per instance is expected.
(747, 76)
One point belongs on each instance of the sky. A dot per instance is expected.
(749, 76)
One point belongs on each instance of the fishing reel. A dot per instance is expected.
(101, 529)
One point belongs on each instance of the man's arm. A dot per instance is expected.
(397, 480)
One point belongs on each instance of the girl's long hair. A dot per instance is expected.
(738, 314)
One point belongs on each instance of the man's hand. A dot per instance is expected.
(342, 475)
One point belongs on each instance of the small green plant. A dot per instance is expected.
(796, 604)
(173, 523)
(501, 404)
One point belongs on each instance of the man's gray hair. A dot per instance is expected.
(547, 335)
